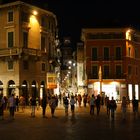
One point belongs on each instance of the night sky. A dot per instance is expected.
(73, 15)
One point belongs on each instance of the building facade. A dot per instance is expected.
(68, 67)
(112, 61)
(28, 56)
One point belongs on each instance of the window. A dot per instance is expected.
(129, 70)
(136, 53)
(118, 53)
(10, 16)
(25, 65)
(94, 72)
(129, 51)
(42, 43)
(118, 71)
(136, 71)
(10, 39)
(106, 53)
(10, 65)
(25, 17)
(25, 39)
(43, 67)
(43, 22)
(94, 54)
(106, 72)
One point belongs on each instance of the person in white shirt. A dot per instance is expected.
(11, 104)
(72, 103)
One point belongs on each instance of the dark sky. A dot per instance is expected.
(73, 15)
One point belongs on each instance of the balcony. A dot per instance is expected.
(14, 51)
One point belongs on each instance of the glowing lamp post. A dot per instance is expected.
(100, 79)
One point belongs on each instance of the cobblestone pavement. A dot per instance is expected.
(81, 126)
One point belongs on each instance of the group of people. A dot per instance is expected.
(94, 102)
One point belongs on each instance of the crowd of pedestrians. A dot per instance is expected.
(14, 104)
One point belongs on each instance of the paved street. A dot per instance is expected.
(82, 126)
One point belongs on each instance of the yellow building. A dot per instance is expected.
(27, 48)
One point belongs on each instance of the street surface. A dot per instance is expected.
(81, 126)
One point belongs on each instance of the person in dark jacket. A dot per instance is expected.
(135, 104)
(33, 106)
(44, 105)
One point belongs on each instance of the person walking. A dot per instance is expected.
(124, 107)
(98, 104)
(135, 105)
(91, 102)
(17, 103)
(66, 105)
(2, 102)
(44, 105)
(72, 103)
(53, 105)
(113, 107)
(33, 106)
(79, 98)
(11, 105)
(107, 106)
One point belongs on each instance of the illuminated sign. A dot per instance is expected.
(51, 81)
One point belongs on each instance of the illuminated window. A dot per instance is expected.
(10, 16)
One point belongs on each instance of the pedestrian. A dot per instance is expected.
(17, 103)
(85, 100)
(124, 107)
(11, 105)
(135, 105)
(79, 98)
(107, 106)
(53, 105)
(98, 103)
(2, 102)
(44, 105)
(22, 103)
(66, 105)
(113, 107)
(72, 103)
(33, 106)
(91, 102)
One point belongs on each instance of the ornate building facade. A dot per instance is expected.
(28, 50)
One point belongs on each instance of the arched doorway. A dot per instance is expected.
(34, 89)
(11, 87)
(1, 87)
(25, 93)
